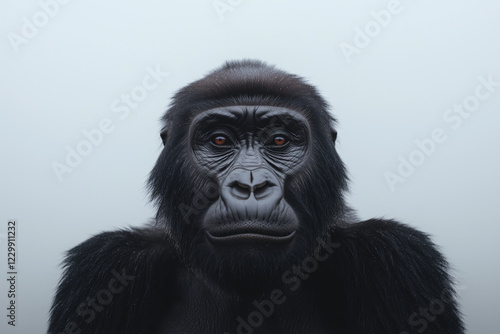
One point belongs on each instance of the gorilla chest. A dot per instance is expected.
(202, 309)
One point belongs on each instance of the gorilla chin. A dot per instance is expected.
(244, 259)
(241, 245)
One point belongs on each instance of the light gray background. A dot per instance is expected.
(393, 92)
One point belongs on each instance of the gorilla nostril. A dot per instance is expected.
(263, 189)
(240, 190)
(243, 191)
(258, 189)
(244, 187)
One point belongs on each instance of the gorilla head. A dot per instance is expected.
(249, 176)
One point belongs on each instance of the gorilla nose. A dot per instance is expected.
(251, 194)
(242, 184)
(244, 190)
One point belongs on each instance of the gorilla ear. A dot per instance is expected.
(334, 135)
(163, 135)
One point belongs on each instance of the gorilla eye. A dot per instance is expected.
(279, 141)
(220, 140)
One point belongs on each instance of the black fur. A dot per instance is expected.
(376, 276)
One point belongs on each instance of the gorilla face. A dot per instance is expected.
(250, 151)
(249, 230)
(249, 177)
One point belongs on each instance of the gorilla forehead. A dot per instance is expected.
(247, 117)
(247, 83)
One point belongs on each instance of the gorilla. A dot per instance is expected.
(252, 232)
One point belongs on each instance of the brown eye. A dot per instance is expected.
(279, 141)
(220, 140)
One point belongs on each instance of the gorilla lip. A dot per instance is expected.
(255, 236)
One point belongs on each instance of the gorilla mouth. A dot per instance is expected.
(254, 232)
(251, 236)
